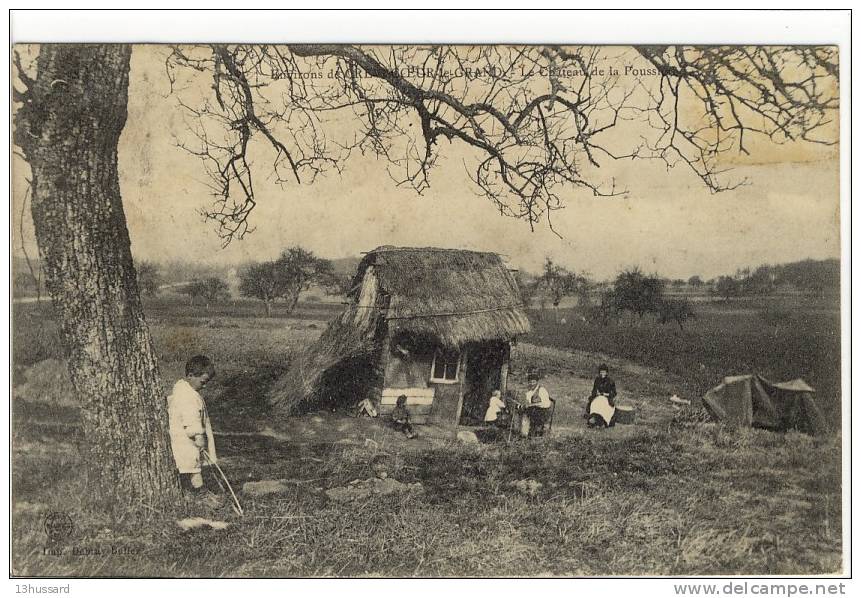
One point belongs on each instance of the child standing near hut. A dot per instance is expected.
(190, 428)
(401, 417)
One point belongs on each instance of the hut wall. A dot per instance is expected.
(419, 402)
(408, 374)
(448, 397)
(411, 374)
(482, 368)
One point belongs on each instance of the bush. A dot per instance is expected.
(675, 310)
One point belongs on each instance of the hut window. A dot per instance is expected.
(445, 366)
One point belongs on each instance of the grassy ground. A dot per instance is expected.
(669, 495)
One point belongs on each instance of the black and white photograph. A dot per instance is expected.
(427, 309)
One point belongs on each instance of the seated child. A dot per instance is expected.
(189, 425)
(401, 417)
(496, 405)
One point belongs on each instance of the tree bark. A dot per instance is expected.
(36, 278)
(69, 129)
(292, 300)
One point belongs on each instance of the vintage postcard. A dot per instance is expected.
(328, 310)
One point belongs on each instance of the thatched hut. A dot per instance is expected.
(433, 324)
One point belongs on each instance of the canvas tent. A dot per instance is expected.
(433, 324)
(754, 401)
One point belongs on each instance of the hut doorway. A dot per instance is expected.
(483, 376)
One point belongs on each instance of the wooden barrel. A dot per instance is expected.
(625, 414)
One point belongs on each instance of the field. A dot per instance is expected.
(780, 338)
(673, 494)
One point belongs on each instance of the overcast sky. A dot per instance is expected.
(668, 223)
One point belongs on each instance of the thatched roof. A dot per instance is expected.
(452, 296)
(350, 336)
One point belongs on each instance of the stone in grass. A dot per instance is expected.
(530, 487)
(265, 487)
(190, 523)
(467, 437)
(362, 489)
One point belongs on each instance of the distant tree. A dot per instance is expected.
(149, 278)
(641, 294)
(266, 281)
(637, 293)
(583, 292)
(209, 290)
(678, 282)
(605, 310)
(179, 271)
(695, 281)
(757, 282)
(675, 310)
(526, 287)
(295, 270)
(727, 287)
(303, 269)
(556, 283)
(341, 284)
(814, 276)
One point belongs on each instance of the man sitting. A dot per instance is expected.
(536, 408)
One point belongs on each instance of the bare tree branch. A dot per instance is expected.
(534, 121)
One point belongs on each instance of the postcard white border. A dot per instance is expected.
(586, 27)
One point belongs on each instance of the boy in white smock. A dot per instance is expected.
(190, 428)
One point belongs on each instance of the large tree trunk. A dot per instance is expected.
(69, 130)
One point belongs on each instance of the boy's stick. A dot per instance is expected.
(236, 506)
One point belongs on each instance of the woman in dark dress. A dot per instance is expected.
(603, 386)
